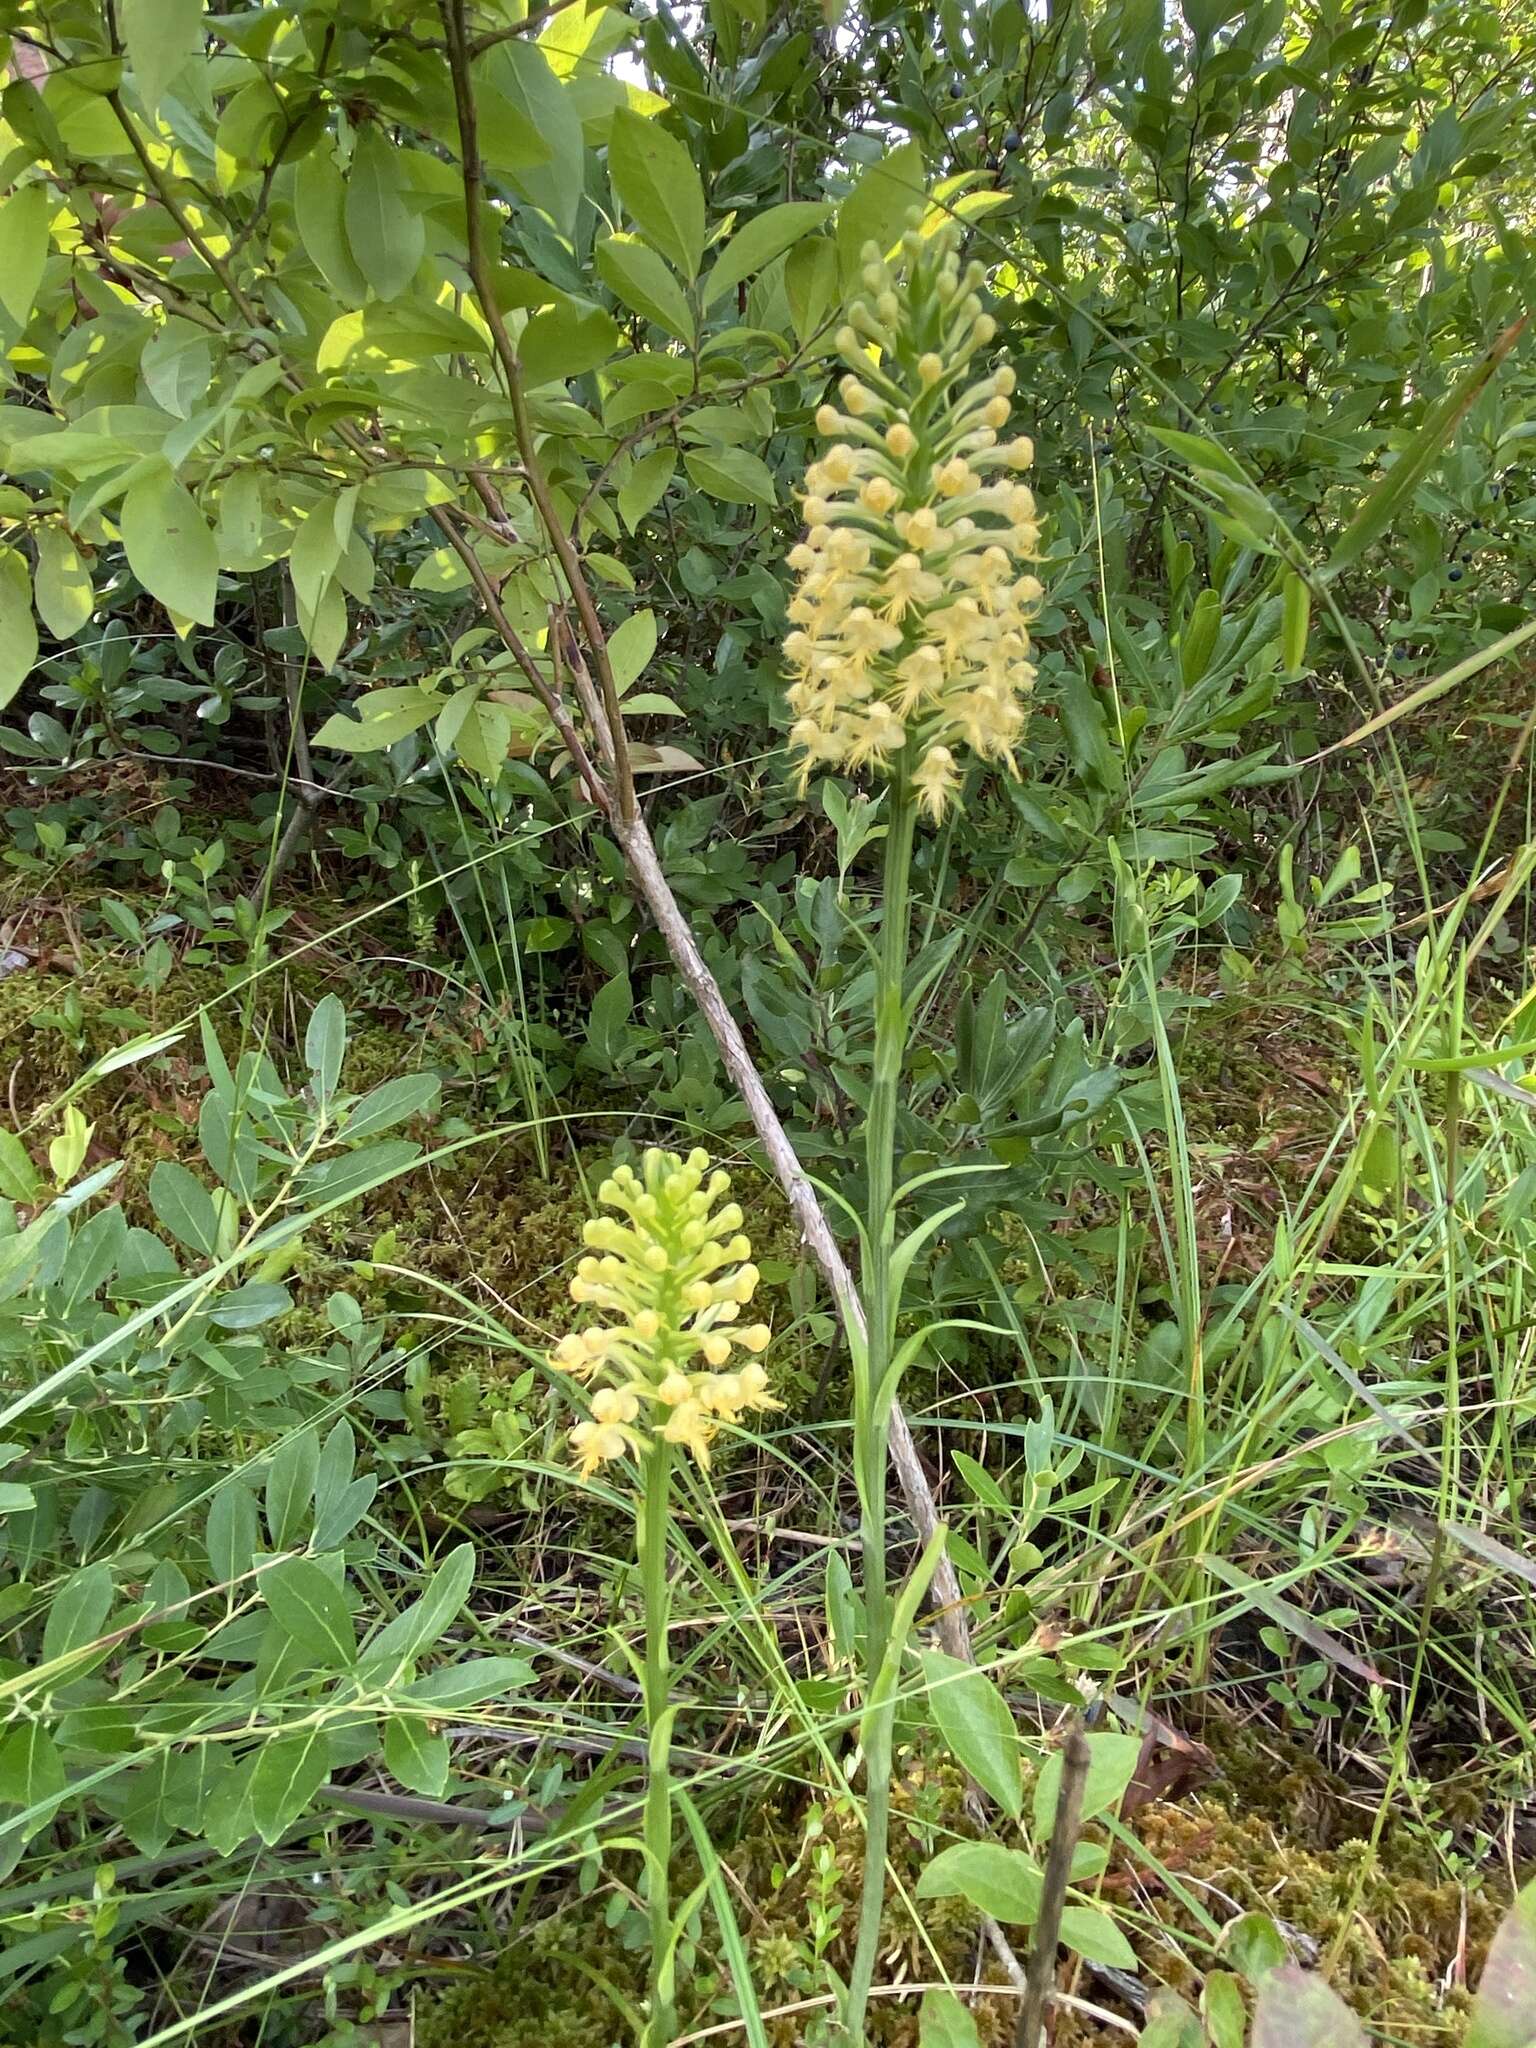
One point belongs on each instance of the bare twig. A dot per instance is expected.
(1041, 1970)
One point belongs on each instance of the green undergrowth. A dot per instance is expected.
(1274, 1832)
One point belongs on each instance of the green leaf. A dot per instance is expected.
(565, 341)
(416, 1756)
(325, 1045)
(458, 1686)
(291, 1488)
(62, 588)
(289, 1772)
(1093, 1934)
(944, 2022)
(185, 1207)
(77, 1611)
(1204, 455)
(391, 1103)
(646, 485)
(19, 1179)
(31, 1769)
(519, 72)
(427, 1619)
(177, 365)
(313, 1611)
(1396, 488)
(732, 475)
(657, 184)
(1003, 1882)
(1504, 2010)
(162, 37)
(384, 716)
(24, 222)
(1112, 1761)
(249, 1306)
(386, 237)
(763, 239)
(320, 212)
(632, 269)
(18, 628)
(231, 1535)
(810, 284)
(975, 1722)
(170, 547)
(1294, 2008)
(608, 1017)
(1297, 620)
(630, 647)
(876, 209)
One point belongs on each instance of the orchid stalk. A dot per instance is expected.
(909, 649)
(671, 1281)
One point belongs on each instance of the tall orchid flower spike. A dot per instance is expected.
(669, 1361)
(672, 1279)
(911, 614)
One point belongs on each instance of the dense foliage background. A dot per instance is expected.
(328, 996)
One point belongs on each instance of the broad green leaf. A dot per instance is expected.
(1112, 1761)
(416, 1756)
(1504, 2010)
(646, 485)
(656, 182)
(290, 1770)
(171, 548)
(291, 1488)
(518, 70)
(384, 716)
(232, 1531)
(1093, 1934)
(1396, 488)
(458, 1686)
(732, 475)
(385, 235)
(944, 2022)
(975, 1722)
(325, 1045)
(632, 269)
(1294, 2008)
(31, 1769)
(876, 209)
(18, 628)
(320, 210)
(162, 37)
(313, 1610)
(176, 365)
(19, 1179)
(1003, 1882)
(184, 1207)
(24, 222)
(62, 586)
(249, 1306)
(566, 340)
(482, 735)
(630, 648)
(421, 1624)
(810, 284)
(1202, 454)
(78, 1611)
(763, 239)
(391, 1103)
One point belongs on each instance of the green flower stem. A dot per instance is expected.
(656, 1480)
(872, 1372)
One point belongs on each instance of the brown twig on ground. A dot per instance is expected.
(1041, 1968)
